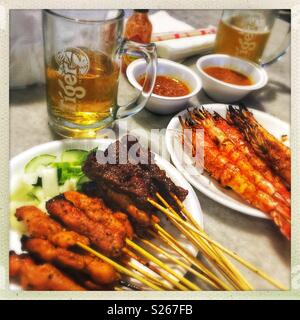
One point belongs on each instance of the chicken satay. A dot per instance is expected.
(98, 270)
(123, 218)
(126, 204)
(103, 238)
(96, 210)
(43, 277)
(40, 225)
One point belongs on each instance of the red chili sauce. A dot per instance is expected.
(168, 86)
(228, 75)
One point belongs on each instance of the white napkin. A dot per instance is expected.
(163, 22)
(26, 65)
(178, 49)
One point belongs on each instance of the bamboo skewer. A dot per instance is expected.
(263, 275)
(206, 250)
(202, 234)
(230, 253)
(150, 277)
(188, 283)
(118, 267)
(172, 258)
(190, 258)
(147, 264)
(228, 265)
(227, 269)
(201, 275)
(212, 258)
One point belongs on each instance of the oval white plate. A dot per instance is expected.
(204, 182)
(56, 147)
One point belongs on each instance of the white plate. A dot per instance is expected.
(204, 182)
(56, 147)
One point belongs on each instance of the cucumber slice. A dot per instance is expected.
(81, 181)
(42, 160)
(66, 171)
(49, 182)
(38, 193)
(22, 192)
(74, 156)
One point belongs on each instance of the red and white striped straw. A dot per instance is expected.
(170, 35)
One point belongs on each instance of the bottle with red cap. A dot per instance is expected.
(139, 29)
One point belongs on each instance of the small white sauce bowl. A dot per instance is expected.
(221, 91)
(162, 104)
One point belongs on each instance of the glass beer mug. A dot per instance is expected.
(83, 50)
(245, 33)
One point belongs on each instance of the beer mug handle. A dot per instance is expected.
(148, 52)
(285, 44)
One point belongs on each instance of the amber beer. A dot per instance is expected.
(83, 50)
(82, 85)
(243, 36)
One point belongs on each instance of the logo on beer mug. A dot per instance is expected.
(72, 62)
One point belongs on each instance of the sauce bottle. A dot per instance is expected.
(138, 29)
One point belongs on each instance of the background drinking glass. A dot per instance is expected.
(245, 33)
(83, 50)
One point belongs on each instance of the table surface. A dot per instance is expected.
(256, 240)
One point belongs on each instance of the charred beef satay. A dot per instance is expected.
(98, 270)
(43, 277)
(129, 179)
(96, 210)
(40, 225)
(107, 241)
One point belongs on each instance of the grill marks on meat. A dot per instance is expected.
(99, 271)
(40, 225)
(138, 180)
(97, 211)
(125, 202)
(108, 241)
(51, 247)
(39, 277)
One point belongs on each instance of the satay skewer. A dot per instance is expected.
(148, 275)
(147, 264)
(202, 234)
(227, 268)
(119, 267)
(186, 282)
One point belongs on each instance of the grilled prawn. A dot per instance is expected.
(204, 119)
(229, 175)
(265, 145)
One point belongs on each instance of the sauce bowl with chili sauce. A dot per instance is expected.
(175, 84)
(228, 79)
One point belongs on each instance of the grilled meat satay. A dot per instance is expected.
(126, 204)
(98, 270)
(96, 210)
(43, 277)
(133, 174)
(40, 225)
(103, 238)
